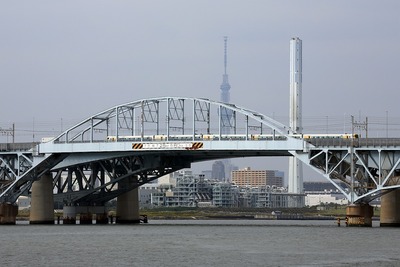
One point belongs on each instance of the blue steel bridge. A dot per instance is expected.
(143, 140)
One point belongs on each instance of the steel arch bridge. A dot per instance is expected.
(143, 140)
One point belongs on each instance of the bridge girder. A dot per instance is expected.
(186, 130)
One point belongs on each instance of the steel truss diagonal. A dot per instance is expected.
(361, 174)
(20, 184)
(97, 182)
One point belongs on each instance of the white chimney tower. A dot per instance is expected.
(295, 167)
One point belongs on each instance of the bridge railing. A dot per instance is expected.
(380, 142)
(6, 147)
(356, 142)
(200, 137)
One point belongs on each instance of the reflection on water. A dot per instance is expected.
(200, 243)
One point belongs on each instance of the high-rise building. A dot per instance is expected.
(257, 178)
(218, 170)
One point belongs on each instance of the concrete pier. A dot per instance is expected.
(359, 215)
(128, 204)
(86, 214)
(86, 218)
(69, 215)
(8, 213)
(42, 203)
(390, 209)
(102, 218)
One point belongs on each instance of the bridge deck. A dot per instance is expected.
(359, 142)
(13, 147)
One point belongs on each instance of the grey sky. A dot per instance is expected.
(71, 59)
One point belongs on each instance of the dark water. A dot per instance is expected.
(200, 243)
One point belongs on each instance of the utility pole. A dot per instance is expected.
(9, 132)
(387, 124)
(360, 125)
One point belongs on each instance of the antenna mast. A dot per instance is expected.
(225, 52)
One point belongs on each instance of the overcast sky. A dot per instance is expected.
(62, 61)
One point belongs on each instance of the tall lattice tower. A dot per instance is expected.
(226, 115)
(295, 166)
(225, 87)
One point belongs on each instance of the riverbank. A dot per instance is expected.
(190, 213)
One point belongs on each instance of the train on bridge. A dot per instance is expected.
(209, 137)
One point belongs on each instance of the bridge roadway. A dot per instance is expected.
(142, 140)
(14, 147)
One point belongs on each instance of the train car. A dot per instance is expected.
(321, 136)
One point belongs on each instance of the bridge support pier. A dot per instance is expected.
(69, 215)
(101, 218)
(85, 218)
(128, 204)
(8, 213)
(390, 209)
(85, 214)
(42, 202)
(359, 215)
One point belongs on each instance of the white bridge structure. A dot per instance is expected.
(119, 149)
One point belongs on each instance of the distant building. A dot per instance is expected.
(207, 174)
(319, 188)
(257, 178)
(323, 193)
(197, 191)
(224, 195)
(24, 202)
(189, 191)
(145, 192)
(323, 199)
(169, 179)
(218, 171)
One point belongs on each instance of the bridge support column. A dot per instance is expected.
(86, 218)
(128, 204)
(8, 213)
(85, 214)
(390, 209)
(101, 218)
(69, 215)
(42, 203)
(359, 215)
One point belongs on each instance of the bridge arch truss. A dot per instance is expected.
(170, 117)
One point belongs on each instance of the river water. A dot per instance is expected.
(200, 243)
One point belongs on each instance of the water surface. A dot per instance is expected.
(200, 243)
